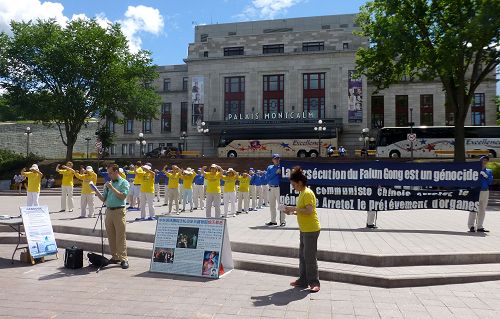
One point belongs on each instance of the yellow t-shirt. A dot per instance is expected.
(229, 183)
(34, 181)
(139, 173)
(213, 182)
(188, 180)
(173, 179)
(148, 182)
(244, 184)
(86, 179)
(67, 177)
(307, 223)
(123, 175)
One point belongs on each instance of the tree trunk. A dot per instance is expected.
(460, 115)
(71, 141)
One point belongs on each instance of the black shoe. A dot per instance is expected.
(62, 211)
(482, 230)
(70, 211)
(472, 230)
(271, 224)
(283, 224)
(371, 226)
(124, 264)
(114, 261)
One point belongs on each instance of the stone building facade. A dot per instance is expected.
(280, 70)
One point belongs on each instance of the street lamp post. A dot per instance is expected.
(141, 141)
(203, 130)
(88, 141)
(411, 132)
(28, 132)
(184, 139)
(320, 128)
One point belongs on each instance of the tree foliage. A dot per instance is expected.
(64, 75)
(455, 41)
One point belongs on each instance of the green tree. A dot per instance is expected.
(497, 104)
(455, 41)
(106, 137)
(64, 75)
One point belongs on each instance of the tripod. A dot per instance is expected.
(96, 260)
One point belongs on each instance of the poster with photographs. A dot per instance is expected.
(198, 98)
(354, 98)
(39, 232)
(191, 246)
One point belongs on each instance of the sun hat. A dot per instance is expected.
(89, 169)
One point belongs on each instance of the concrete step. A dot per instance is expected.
(324, 255)
(387, 277)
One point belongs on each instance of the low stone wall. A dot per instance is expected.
(44, 141)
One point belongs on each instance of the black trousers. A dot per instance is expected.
(308, 258)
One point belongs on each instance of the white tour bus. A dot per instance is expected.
(437, 141)
(264, 142)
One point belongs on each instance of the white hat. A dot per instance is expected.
(213, 166)
(121, 170)
(34, 166)
(89, 169)
(147, 167)
(231, 170)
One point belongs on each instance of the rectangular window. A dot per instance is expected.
(345, 46)
(124, 149)
(166, 117)
(110, 125)
(150, 147)
(204, 37)
(205, 54)
(131, 149)
(273, 48)
(233, 51)
(478, 117)
(185, 84)
(273, 93)
(129, 126)
(426, 110)
(401, 110)
(113, 149)
(314, 94)
(234, 95)
(313, 46)
(184, 116)
(377, 111)
(147, 126)
(166, 85)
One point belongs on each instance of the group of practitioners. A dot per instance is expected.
(206, 188)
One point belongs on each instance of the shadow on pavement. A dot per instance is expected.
(381, 230)
(148, 274)
(65, 272)
(281, 298)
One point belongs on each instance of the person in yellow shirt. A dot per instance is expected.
(147, 191)
(212, 178)
(229, 195)
(309, 226)
(136, 186)
(187, 192)
(67, 173)
(173, 187)
(243, 193)
(87, 175)
(130, 174)
(122, 173)
(34, 180)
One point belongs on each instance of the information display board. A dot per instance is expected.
(191, 246)
(39, 232)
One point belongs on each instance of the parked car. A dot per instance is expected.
(165, 151)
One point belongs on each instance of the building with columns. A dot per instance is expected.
(287, 73)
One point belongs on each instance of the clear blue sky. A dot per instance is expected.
(170, 46)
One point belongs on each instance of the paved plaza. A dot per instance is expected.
(48, 290)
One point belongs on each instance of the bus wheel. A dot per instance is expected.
(232, 154)
(395, 154)
(302, 154)
(492, 154)
(313, 154)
